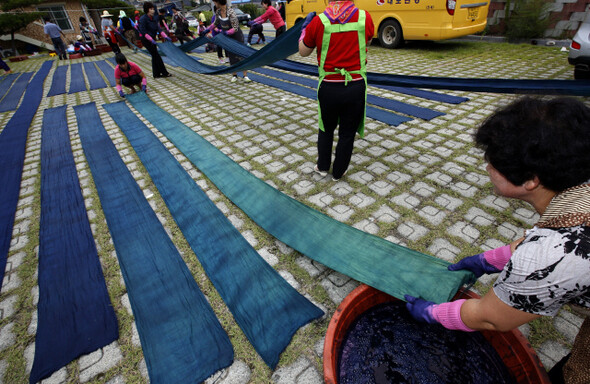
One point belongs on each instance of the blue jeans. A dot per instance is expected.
(60, 47)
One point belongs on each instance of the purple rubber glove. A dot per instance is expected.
(420, 309)
(144, 88)
(121, 93)
(307, 20)
(476, 264)
(492, 261)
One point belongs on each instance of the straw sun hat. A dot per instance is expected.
(106, 14)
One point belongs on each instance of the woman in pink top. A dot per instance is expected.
(273, 15)
(129, 74)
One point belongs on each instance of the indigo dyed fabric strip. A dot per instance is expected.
(108, 71)
(389, 118)
(181, 338)
(389, 104)
(7, 83)
(94, 78)
(10, 101)
(75, 315)
(77, 82)
(367, 258)
(13, 141)
(266, 307)
(58, 85)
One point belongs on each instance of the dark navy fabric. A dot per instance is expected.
(181, 338)
(58, 85)
(77, 82)
(7, 83)
(75, 315)
(10, 101)
(334, 244)
(266, 307)
(13, 141)
(94, 78)
(389, 104)
(389, 118)
(108, 71)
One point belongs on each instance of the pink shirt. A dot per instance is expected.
(133, 70)
(273, 15)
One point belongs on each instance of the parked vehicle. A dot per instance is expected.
(399, 20)
(243, 18)
(579, 55)
(192, 21)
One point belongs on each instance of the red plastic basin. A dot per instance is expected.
(514, 349)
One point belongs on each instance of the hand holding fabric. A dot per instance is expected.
(491, 261)
(307, 20)
(230, 32)
(121, 93)
(420, 309)
(144, 88)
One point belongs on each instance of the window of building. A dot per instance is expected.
(58, 15)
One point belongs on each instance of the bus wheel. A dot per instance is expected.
(390, 34)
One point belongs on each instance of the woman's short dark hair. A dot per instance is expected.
(82, 19)
(147, 5)
(267, 2)
(120, 58)
(531, 137)
(221, 2)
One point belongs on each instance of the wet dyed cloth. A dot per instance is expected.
(367, 258)
(13, 140)
(58, 84)
(386, 345)
(75, 315)
(182, 340)
(264, 305)
(10, 101)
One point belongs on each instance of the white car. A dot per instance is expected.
(192, 21)
(579, 55)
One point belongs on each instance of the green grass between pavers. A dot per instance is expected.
(218, 110)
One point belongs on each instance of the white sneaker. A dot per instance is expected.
(226, 60)
(247, 79)
(321, 173)
(248, 45)
(344, 174)
(234, 79)
(221, 61)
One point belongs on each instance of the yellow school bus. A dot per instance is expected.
(399, 20)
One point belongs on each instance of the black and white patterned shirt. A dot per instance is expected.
(550, 268)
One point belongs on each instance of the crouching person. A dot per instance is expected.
(129, 74)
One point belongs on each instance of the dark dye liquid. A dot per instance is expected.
(386, 345)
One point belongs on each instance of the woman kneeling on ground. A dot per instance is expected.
(129, 74)
(538, 151)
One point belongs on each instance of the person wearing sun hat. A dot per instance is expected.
(80, 46)
(126, 26)
(108, 30)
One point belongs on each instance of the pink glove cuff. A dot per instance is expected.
(144, 81)
(449, 315)
(498, 257)
(118, 87)
(163, 34)
(149, 38)
(231, 32)
(302, 36)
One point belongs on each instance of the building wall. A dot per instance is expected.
(566, 16)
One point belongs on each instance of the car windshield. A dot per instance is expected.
(238, 11)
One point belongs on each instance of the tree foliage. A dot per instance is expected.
(17, 18)
(528, 19)
(104, 4)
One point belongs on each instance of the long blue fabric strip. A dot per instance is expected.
(379, 263)
(77, 82)
(389, 118)
(94, 78)
(181, 338)
(75, 315)
(58, 85)
(108, 71)
(7, 83)
(13, 141)
(265, 306)
(392, 105)
(287, 44)
(10, 101)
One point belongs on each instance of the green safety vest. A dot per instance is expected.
(330, 28)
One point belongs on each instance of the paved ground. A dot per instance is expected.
(420, 184)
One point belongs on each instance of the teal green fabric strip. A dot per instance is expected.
(264, 305)
(182, 340)
(369, 259)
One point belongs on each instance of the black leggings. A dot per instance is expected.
(131, 80)
(345, 106)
